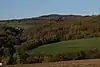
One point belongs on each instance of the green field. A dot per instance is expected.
(22, 25)
(69, 46)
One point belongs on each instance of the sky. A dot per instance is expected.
(14, 9)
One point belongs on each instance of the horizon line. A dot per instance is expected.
(48, 14)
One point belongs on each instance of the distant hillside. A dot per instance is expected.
(47, 17)
(57, 16)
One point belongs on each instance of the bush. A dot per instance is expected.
(44, 57)
(93, 54)
(61, 57)
(11, 61)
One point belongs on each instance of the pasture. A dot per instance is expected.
(68, 46)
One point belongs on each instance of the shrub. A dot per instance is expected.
(61, 57)
(93, 54)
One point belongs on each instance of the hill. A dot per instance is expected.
(49, 33)
(46, 17)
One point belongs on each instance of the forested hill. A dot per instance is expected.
(31, 33)
(54, 27)
(48, 17)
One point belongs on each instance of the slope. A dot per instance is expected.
(69, 46)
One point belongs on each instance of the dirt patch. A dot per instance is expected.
(76, 63)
